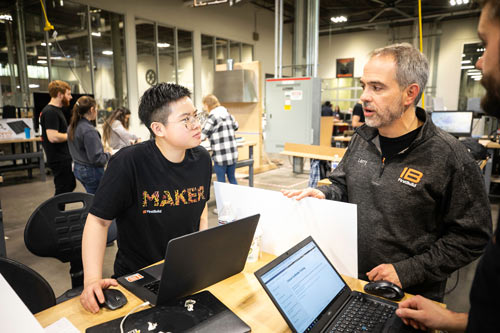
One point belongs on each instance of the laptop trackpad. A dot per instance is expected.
(155, 271)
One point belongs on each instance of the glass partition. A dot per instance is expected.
(207, 64)
(471, 89)
(9, 46)
(108, 41)
(146, 60)
(185, 66)
(69, 51)
(166, 52)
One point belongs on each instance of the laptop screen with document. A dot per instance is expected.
(303, 285)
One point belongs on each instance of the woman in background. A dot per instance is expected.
(85, 144)
(115, 130)
(219, 129)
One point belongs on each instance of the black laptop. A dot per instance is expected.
(312, 296)
(195, 261)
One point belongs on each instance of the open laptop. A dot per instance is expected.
(312, 296)
(195, 261)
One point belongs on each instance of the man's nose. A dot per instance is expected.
(479, 63)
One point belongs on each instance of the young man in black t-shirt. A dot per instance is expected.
(156, 190)
(54, 137)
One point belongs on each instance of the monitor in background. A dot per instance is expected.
(41, 99)
(457, 123)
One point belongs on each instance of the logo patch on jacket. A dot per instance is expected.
(410, 177)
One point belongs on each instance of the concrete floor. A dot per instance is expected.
(20, 196)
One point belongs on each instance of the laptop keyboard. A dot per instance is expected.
(153, 286)
(363, 315)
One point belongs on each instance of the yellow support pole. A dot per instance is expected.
(421, 44)
(48, 26)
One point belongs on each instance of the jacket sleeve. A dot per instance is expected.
(93, 148)
(124, 135)
(337, 190)
(466, 229)
(208, 127)
(235, 123)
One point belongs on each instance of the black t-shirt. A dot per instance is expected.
(392, 146)
(485, 291)
(52, 118)
(153, 201)
(358, 111)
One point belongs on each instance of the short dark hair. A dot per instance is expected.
(495, 7)
(155, 102)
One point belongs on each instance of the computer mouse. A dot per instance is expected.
(384, 289)
(113, 299)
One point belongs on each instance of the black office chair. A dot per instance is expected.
(57, 233)
(30, 286)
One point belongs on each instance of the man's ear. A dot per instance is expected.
(411, 94)
(158, 129)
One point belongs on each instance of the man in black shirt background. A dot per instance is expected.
(55, 137)
(485, 292)
(358, 117)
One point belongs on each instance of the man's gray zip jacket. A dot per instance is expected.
(424, 210)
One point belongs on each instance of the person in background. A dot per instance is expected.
(54, 137)
(156, 190)
(85, 145)
(326, 109)
(219, 128)
(336, 112)
(358, 116)
(423, 212)
(115, 130)
(424, 314)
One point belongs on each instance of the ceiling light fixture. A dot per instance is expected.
(465, 61)
(338, 19)
(163, 45)
(44, 44)
(96, 34)
(6, 17)
(107, 52)
(467, 67)
(459, 2)
(41, 62)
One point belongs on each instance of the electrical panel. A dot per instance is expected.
(293, 112)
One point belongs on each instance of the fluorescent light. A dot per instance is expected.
(107, 52)
(459, 2)
(6, 17)
(465, 61)
(474, 73)
(453, 3)
(338, 19)
(467, 67)
(477, 79)
(33, 85)
(44, 44)
(463, 55)
(96, 34)
(162, 45)
(41, 62)
(476, 76)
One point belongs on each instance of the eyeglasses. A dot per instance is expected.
(190, 122)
